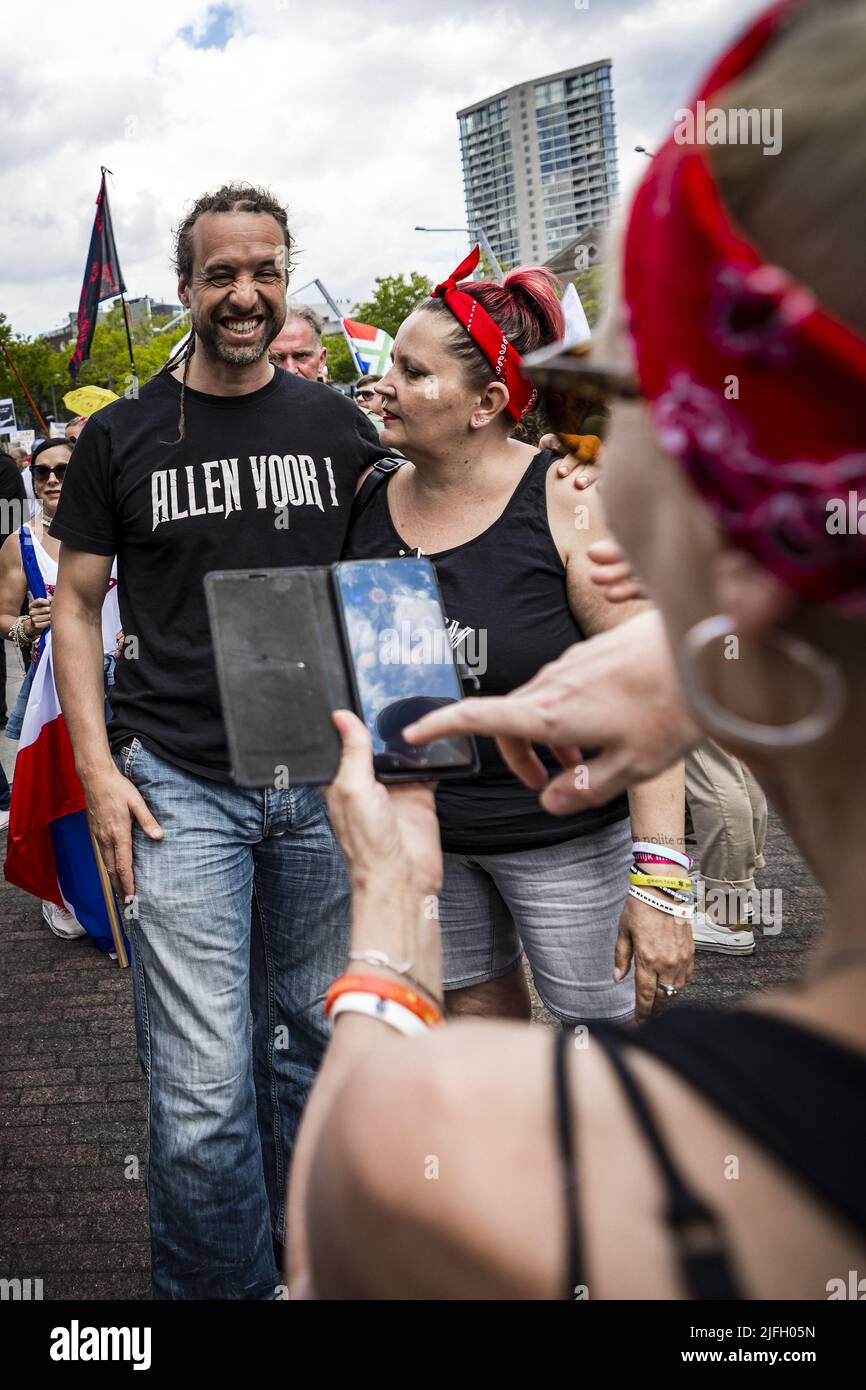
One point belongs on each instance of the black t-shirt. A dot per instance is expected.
(260, 480)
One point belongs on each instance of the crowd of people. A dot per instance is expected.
(311, 1120)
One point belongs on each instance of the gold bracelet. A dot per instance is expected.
(16, 633)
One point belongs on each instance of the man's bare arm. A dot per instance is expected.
(77, 655)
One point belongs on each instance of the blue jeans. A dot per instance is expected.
(16, 716)
(241, 912)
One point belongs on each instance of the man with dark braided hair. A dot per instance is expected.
(237, 900)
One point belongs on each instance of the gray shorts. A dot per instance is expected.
(561, 905)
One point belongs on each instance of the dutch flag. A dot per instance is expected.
(49, 852)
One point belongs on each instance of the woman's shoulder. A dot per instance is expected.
(575, 515)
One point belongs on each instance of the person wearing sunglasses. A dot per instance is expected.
(367, 398)
(29, 552)
(711, 1154)
(366, 395)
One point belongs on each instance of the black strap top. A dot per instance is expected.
(507, 607)
(798, 1093)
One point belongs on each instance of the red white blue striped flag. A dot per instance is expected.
(49, 851)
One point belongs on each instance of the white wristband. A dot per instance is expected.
(386, 1010)
(661, 852)
(672, 909)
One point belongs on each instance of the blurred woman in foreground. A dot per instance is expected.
(603, 1170)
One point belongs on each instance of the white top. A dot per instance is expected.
(110, 609)
(32, 504)
(47, 566)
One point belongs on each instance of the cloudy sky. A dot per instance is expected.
(346, 110)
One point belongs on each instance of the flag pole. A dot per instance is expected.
(128, 337)
(103, 170)
(33, 405)
(335, 310)
(110, 905)
(331, 303)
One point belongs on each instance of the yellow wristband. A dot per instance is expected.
(659, 881)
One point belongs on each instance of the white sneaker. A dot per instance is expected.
(709, 936)
(61, 922)
(4, 818)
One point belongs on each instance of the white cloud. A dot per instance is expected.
(346, 111)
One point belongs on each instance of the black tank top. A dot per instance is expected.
(507, 608)
(797, 1092)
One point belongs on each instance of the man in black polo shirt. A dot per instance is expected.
(238, 900)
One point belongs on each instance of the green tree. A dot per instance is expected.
(394, 298)
(45, 370)
(108, 364)
(341, 364)
(41, 369)
(590, 285)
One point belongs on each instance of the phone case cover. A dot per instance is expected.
(281, 669)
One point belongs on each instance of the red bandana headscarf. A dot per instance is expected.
(502, 356)
(752, 386)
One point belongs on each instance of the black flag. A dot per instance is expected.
(102, 278)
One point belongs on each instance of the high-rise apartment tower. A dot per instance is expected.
(539, 162)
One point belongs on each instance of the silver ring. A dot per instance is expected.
(670, 990)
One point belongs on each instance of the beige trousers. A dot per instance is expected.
(729, 814)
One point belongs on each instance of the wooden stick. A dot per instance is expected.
(110, 905)
(33, 406)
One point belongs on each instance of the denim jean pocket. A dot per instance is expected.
(127, 755)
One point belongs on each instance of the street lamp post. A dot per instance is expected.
(480, 235)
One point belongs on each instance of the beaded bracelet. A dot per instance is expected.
(17, 635)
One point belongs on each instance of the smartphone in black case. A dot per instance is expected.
(293, 645)
(401, 664)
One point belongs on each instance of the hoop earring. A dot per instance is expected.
(723, 724)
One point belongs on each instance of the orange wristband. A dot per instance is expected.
(383, 989)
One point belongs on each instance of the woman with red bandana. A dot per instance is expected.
(603, 1171)
(509, 546)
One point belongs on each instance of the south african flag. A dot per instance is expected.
(370, 347)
